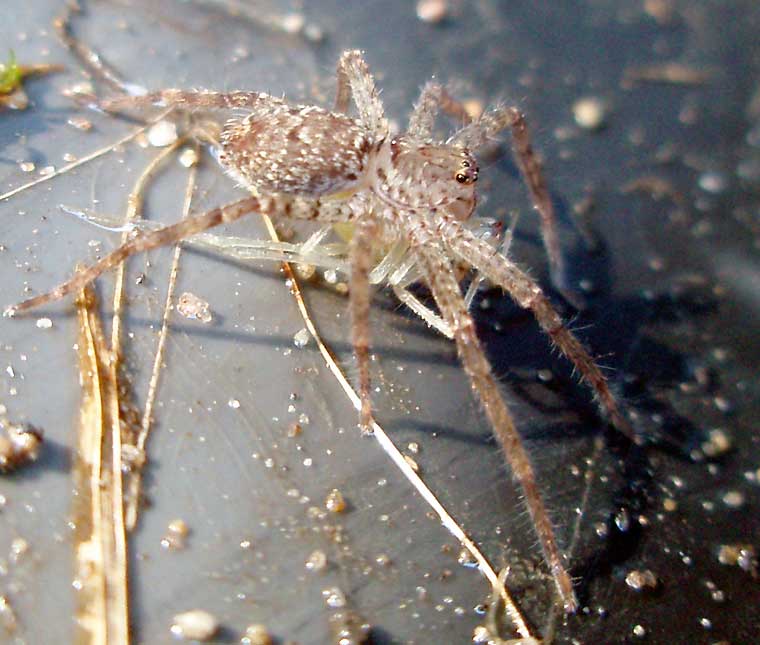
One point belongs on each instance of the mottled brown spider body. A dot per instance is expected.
(300, 150)
(306, 151)
(408, 192)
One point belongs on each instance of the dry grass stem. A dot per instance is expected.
(99, 539)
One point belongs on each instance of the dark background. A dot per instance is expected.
(672, 292)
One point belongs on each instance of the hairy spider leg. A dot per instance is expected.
(500, 270)
(360, 256)
(355, 80)
(191, 100)
(438, 272)
(432, 98)
(479, 132)
(274, 206)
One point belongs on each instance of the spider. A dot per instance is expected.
(406, 191)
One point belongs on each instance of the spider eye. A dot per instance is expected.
(465, 164)
(462, 179)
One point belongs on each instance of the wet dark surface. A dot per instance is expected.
(672, 295)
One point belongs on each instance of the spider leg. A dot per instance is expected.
(432, 98)
(355, 79)
(190, 99)
(360, 257)
(528, 294)
(274, 206)
(484, 129)
(439, 274)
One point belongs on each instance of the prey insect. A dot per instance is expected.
(408, 191)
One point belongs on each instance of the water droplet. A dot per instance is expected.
(301, 338)
(334, 597)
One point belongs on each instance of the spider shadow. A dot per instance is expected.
(642, 370)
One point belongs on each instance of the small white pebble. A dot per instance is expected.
(293, 23)
(639, 631)
(713, 182)
(718, 442)
(188, 157)
(334, 597)
(734, 499)
(162, 134)
(316, 562)
(590, 112)
(641, 579)
(44, 323)
(432, 11)
(198, 625)
(256, 635)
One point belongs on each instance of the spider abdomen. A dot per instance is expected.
(297, 150)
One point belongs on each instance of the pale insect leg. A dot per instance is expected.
(423, 311)
(439, 274)
(354, 79)
(506, 242)
(245, 249)
(360, 252)
(406, 273)
(501, 271)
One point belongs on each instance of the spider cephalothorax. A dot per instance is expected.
(415, 175)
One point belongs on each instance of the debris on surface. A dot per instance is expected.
(641, 579)
(19, 445)
(12, 75)
(348, 628)
(256, 635)
(670, 72)
(176, 535)
(192, 307)
(335, 502)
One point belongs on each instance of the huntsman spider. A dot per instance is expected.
(406, 192)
